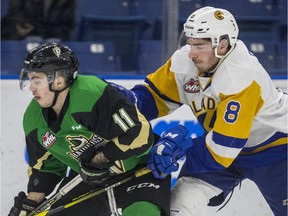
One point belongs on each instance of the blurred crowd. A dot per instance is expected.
(41, 18)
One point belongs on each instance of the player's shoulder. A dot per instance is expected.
(32, 115)
(32, 107)
(87, 88)
(89, 82)
(236, 72)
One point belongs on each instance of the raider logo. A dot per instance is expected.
(192, 86)
(78, 144)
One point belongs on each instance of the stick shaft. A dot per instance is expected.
(137, 174)
(64, 190)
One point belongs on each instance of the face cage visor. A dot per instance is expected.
(32, 79)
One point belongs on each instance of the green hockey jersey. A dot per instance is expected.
(94, 114)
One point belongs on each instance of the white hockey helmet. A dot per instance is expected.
(210, 22)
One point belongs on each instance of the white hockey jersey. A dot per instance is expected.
(239, 107)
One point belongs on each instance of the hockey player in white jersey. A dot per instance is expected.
(242, 113)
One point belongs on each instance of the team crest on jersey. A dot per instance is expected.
(192, 86)
(48, 139)
(78, 144)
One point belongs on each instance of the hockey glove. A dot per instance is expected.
(22, 205)
(91, 173)
(162, 159)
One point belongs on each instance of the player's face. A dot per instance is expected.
(202, 54)
(40, 88)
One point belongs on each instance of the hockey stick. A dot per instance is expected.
(64, 190)
(46, 205)
(137, 174)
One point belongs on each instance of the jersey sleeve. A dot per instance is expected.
(235, 114)
(159, 95)
(118, 121)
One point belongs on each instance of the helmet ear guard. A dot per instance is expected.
(69, 76)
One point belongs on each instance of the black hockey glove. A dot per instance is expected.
(94, 174)
(22, 205)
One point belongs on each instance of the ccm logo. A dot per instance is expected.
(143, 185)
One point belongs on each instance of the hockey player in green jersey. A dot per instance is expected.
(80, 124)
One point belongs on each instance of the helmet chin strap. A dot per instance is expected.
(221, 58)
(57, 92)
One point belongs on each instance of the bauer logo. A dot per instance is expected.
(48, 139)
(173, 136)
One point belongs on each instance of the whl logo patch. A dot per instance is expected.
(48, 139)
(192, 86)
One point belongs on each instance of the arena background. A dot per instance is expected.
(140, 37)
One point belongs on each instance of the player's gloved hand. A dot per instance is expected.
(126, 92)
(166, 164)
(92, 173)
(163, 156)
(22, 205)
